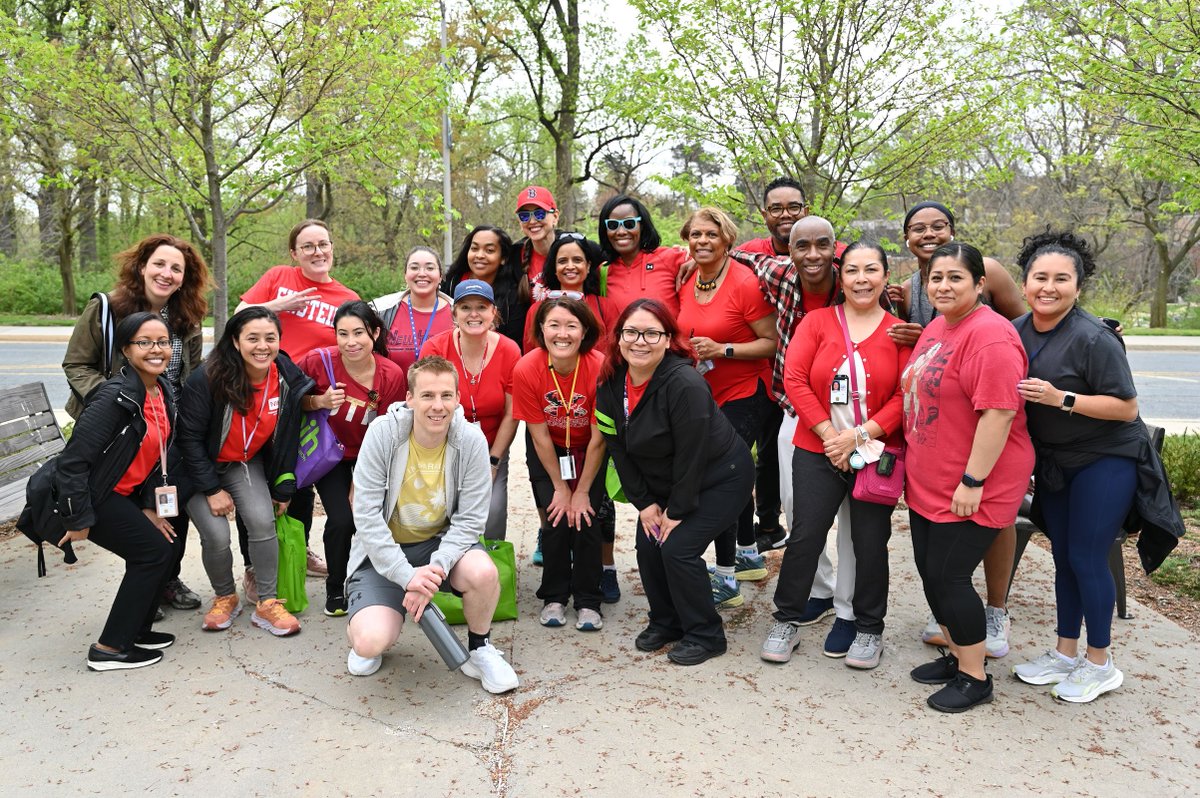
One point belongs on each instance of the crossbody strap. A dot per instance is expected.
(841, 314)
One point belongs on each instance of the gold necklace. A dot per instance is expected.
(709, 285)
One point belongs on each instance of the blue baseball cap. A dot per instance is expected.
(470, 288)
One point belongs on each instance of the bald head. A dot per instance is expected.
(811, 227)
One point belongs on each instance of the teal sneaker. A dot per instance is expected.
(537, 552)
(749, 568)
(726, 593)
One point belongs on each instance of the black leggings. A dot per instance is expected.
(947, 554)
(334, 488)
(746, 417)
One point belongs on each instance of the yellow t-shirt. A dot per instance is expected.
(421, 509)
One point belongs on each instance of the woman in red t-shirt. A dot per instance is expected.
(105, 481)
(305, 297)
(419, 312)
(485, 360)
(639, 266)
(554, 393)
(572, 268)
(964, 424)
(732, 328)
(364, 385)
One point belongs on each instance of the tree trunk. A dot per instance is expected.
(564, 161)
(8, 222)
(66, 266)
(48, 203)
(88, 256)
(318, 195)
(103, 218)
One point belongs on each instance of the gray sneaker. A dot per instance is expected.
(553, 614)
(782, 640)
(1050, 668)
(998, 626)
(864, 651)
(589, 620)
(1088, 681)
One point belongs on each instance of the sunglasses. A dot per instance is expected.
(540, 214)
(564, 295)
(629, 224)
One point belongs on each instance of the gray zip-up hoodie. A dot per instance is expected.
(377, 481)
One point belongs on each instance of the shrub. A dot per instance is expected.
(35, 288)
(1181, 456)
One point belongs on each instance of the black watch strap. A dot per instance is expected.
(971, 482)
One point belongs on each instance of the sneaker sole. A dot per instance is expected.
(1113, 683)
(588, 627)
(154, 646)
(936, 640)
(780, 658)
(998, 653)
(1041, 679)
(313, 573)
(956, 710)
(100, 667)
(833, 654)
(751, 575)
(216, 627)
(263, 623)
(731, 603)
(469, 669)
(335, 613)
(862, 664)
(829, 613)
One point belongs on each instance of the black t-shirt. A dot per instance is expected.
(1085, 356)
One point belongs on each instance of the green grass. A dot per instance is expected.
(15, 320)
(1181, 574)
(1160, 331)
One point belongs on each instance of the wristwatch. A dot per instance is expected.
(1068, 402)
(494, 459)
(971, 482)
(729, 350)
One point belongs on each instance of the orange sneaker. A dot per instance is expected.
(224, 610)
(272, 616)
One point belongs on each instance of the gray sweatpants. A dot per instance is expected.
(253, 502)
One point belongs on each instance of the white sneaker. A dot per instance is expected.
(1050, 668)
(1088, 681)
(362, 666)
(998, 626)
(865, 651)
(589, 621)
(932, 633)
(553, 615)
(487, 664)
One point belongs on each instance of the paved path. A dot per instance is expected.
(240, 713)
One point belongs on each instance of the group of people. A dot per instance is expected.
(704, 385)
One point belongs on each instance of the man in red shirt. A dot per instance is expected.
(783, 206)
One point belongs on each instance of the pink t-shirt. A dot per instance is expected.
(957, 371)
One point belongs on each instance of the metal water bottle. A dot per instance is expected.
(448, 646)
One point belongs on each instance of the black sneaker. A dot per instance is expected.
(155, 640)
(961, 694)
(816, 610)
(840, 638)
(180, 596)
(652, 639)
(941, 671)
(609, 586)
(100, 660)
(692, 653)
(335, 606)
(768, 539)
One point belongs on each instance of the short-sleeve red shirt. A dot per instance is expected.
(482, 402)
(158, 429)
(306, 329)
(349, 421)
(651, 275)
(408, 334)
(538, 400)
(726, 319)
(602, 308)
(254, 428)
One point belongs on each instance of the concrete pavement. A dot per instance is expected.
(240, 713)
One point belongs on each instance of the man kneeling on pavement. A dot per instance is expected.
(422, 487)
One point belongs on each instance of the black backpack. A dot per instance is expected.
(40, 521)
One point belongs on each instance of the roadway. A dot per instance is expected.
(1167, 372)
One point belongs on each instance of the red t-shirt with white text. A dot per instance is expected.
(349, 421)
(310, 327)
(248, 433)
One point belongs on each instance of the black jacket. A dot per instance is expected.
(666, 452)
(105, 440)
(205, 425)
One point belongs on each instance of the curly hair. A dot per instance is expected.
(1057, 242)
(187, 307)
(725, 226)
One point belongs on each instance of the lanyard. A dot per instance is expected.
(162, 438)
(412, 325)
(472, 379)
(566, 404)
(261, 410)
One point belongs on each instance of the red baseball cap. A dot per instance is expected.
(538, 196)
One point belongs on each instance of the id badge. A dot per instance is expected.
(166, 501)
(839, 390)
(566, 466)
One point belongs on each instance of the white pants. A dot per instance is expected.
(826, 584)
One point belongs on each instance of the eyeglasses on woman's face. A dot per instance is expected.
(629, 335)
(310, 248)
(921, 229)
(630, 223)
(145, 343)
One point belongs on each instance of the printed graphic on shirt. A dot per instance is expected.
(923, 378)
(557, 416)
(314, 310)
(421, 507)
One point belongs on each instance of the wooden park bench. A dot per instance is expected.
(29, 436)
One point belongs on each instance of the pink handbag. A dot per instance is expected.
(869, 484)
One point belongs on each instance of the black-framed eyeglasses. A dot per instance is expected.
(616, 224)
(793, 208)
(922, 229)
(565, 295)
(309, 249)
(161, 343)
(651, 337)
(538, 214)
